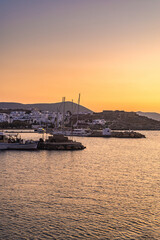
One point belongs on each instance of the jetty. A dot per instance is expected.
(117, 134)
(127, 134)
(59, 142)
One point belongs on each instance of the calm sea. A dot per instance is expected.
(110, 190)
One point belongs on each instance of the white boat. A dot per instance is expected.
(75, 132)
(78, 132)
(8, 142)
(58, 132)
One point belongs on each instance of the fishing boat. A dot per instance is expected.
(13, 142)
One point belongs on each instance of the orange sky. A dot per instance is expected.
(109, 51)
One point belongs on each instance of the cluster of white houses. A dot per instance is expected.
(36, 117)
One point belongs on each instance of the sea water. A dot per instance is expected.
(110, 190)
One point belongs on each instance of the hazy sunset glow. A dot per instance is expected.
(107, 50)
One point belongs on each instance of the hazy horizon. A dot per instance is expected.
(107, 50)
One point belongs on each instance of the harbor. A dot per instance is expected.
(80, 120)
(8, 141)
(58, 140)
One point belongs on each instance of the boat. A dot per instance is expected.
(58, 132)
(13, 142)
(78, 132)
(39, 130)
(74, 132)
(81, 132)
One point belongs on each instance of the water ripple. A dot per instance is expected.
(109, 191)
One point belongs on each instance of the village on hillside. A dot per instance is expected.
(35, 119)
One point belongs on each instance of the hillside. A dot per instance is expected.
(120, 120)
(69, 106)
(116, 120)
(152, 115)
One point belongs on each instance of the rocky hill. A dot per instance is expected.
(120, 120)
(152, 115)
(69, 106)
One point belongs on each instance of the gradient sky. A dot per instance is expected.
(107, 50)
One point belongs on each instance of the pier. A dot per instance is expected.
(59, 142)
(118, 134)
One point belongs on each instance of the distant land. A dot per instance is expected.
(69, 106)
(121, 120)
(116, 120)
(152, 115)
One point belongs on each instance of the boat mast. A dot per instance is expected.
(78, 107)
(72, 121)
(63, 100)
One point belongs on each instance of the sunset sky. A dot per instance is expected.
(107, 50)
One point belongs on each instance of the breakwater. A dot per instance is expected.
(59, 142)
(61, 146)
(118, 134)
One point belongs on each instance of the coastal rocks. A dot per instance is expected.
(118, 134)
(127, 134)
(60, 146)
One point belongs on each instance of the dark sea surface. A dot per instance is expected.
(110, 190)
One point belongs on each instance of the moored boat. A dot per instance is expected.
(13, 142)
(78, 132)
(72, 132)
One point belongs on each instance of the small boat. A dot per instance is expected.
(39, 130)
(12, 142)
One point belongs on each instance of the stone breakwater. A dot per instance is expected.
(119, 134)
(127, 135)
(59, 142)
(61, 146)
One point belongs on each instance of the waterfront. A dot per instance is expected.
(110, 190)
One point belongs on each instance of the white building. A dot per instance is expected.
(4, 117)
(99, 121)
